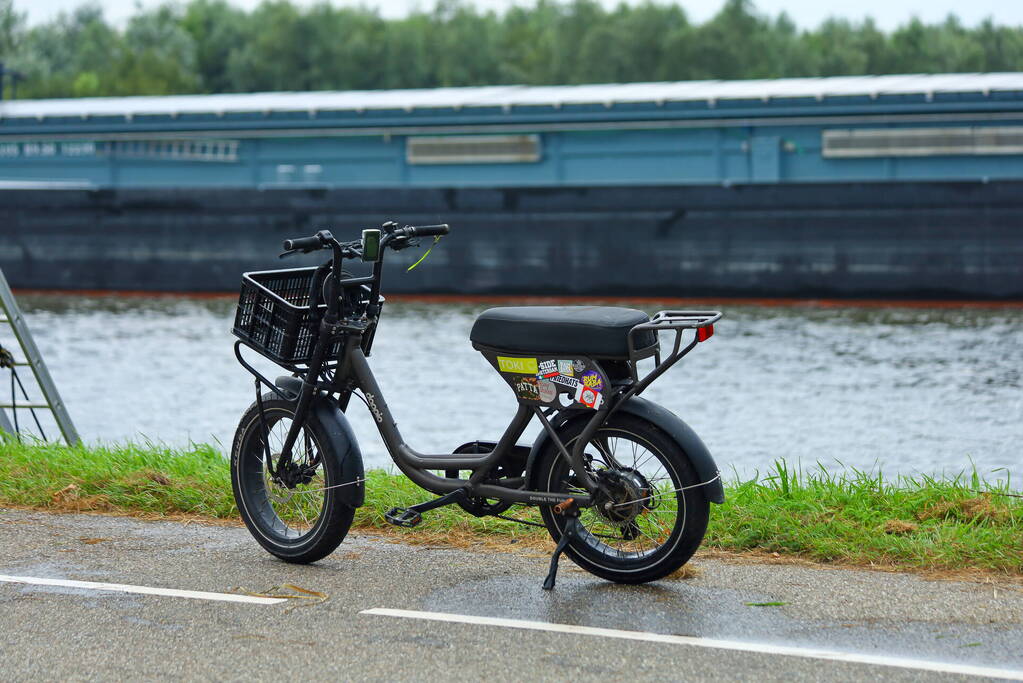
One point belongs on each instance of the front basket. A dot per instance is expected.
(273, 315)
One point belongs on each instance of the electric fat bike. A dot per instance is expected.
(623, 485)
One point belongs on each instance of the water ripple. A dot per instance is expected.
(907, 389)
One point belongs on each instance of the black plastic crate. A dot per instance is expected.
(273, 315)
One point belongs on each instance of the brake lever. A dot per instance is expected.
(404, 243)
(286, 254)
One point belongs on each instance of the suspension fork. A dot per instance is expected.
(328, 328)
(305, 397)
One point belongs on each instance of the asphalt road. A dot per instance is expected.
(56, 632)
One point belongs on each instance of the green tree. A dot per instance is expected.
(212, 46)
(216, 28)
(272, 55)
(55, 55)
(528, 46)
(732, 44)
(461, 50)
(12, 27)
(407, 53)
(158, 56)
(840, 48)
(1002, 46)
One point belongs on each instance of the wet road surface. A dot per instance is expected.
(75, 633)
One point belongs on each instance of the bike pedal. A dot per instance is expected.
(403, 517)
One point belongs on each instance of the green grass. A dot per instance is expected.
(859, 518)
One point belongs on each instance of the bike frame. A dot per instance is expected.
(352, 372)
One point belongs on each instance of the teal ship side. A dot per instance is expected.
(889, 186)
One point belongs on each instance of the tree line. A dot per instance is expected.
(210, 46)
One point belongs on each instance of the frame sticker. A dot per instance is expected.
(543, 379)
(548, 369)
(570, 382)
(588, 396)
(524, 366)
(592, 380)
(528, 388)
(548, 392)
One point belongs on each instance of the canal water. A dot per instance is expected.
(903, 389)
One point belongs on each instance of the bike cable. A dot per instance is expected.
(422, 258)
(520, 521)
(361, 398)
(661, 495)
(327, 488)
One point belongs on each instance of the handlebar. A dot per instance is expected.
(411, 231)
(399, 238)
(305, 244)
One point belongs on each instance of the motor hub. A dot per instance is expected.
(623, 495)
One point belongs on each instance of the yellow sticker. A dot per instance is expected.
(525, 366)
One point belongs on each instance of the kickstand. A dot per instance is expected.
(571, 531)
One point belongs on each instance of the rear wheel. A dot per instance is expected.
(295, 515)
(648, 523)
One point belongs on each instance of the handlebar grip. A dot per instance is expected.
(303, 244)
(429, 230)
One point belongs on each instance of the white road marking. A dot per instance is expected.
(761, 648)
(143, 590)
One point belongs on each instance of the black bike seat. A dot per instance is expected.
(584, 330)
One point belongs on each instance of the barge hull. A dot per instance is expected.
(905, 240)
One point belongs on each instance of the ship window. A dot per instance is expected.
(921, 142)
(473, 149)
(312, 172)
(174, 150)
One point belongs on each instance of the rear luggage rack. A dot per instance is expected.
(678, 322)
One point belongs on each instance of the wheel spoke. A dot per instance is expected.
(629, 530)
(290, 512)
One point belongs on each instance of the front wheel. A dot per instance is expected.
(648, 522)
(296, 516)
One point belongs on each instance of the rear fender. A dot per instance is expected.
(342, 441)
(670, 423)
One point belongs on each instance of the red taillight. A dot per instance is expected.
(704, 333)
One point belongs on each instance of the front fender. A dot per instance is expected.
(676, 428)
(342, 441)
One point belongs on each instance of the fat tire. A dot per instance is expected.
(686, 537)
(335, 518)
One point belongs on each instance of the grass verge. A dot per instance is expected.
(854, 519)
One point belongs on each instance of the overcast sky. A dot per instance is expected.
(806, 13)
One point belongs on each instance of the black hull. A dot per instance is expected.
(889, 240)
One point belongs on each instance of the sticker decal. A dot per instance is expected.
(541, 379)
(592, 380)
(548, 369)
(548, 392)
(525, 366)
(527, 388)
(588, 396)
(570, 382)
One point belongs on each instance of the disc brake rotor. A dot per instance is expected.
(282, 488)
